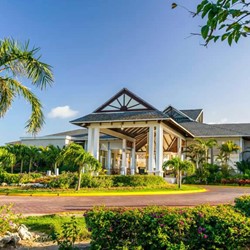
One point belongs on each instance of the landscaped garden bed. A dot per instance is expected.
(202, 227)
(64, 184)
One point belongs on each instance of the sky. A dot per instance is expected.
(97, 47)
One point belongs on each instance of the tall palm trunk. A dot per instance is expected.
(30, 164)
(179, 179)
(197, 163)
(79, 179)
(55, 168)
(21, 168)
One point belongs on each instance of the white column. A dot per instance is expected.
(159, 149)
(132, 161)
(109, 159)
(96, 143)
(123, 166)
(90, 141)
(151, 149)
(241, 144)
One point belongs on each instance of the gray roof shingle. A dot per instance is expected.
(122, 116)
(192, 113)
(216, 130)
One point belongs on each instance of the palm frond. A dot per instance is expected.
(20, 60)
(36, 120)
(7, 95)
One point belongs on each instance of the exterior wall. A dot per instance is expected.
(246, 151)
(60, 142)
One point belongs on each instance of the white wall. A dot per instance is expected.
(44, 141)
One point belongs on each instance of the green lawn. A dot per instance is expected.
(166, 189)
(52, 224)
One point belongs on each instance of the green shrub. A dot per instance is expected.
(203, 227)
(243, 204)
(69, 180)
(102, 181)
(137, 180)
(8, 219)
(64, 180)
(67, 238)
(10, 178)
(18, 178)
(27, 178)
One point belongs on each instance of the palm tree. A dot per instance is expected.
(226, 149)
(205, 145)
(7, 159)
(178, 166)
(50, 155)
(75, 154)
(33, 153)
(17, 60)
(20, 151)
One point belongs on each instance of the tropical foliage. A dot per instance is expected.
(7, 159)
(179, 166)
(19, 61)
(224, 19)
(75, 154)
(207, 171)
(200, 152)
(202, 227)
(226, 149)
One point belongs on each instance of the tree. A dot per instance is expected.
(224, 19)
(17, 60)
(226, 149)
(50, 155)
(198, 152)
(33, 153)
(75, 154)
(243, 166)
(178, 166)
(20, 151)
(7, 159)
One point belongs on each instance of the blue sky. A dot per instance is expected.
(97, 47)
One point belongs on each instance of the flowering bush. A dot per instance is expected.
(203, 227)
(8, 219)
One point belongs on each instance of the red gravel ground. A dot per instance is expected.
(28, 205)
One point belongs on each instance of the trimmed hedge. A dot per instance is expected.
(243, 204)
(69, 180)
(153, 228)
(18, 178)
(106, 181)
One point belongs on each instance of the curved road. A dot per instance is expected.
(28, 205)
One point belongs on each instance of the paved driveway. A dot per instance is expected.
(46, 205)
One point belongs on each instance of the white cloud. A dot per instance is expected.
(62, 112)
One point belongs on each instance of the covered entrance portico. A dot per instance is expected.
(147, 136)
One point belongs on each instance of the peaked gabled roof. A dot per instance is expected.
(124, 100)
(176, 114)
(192, 113)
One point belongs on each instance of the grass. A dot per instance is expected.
(52, 224)
(166, 189)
